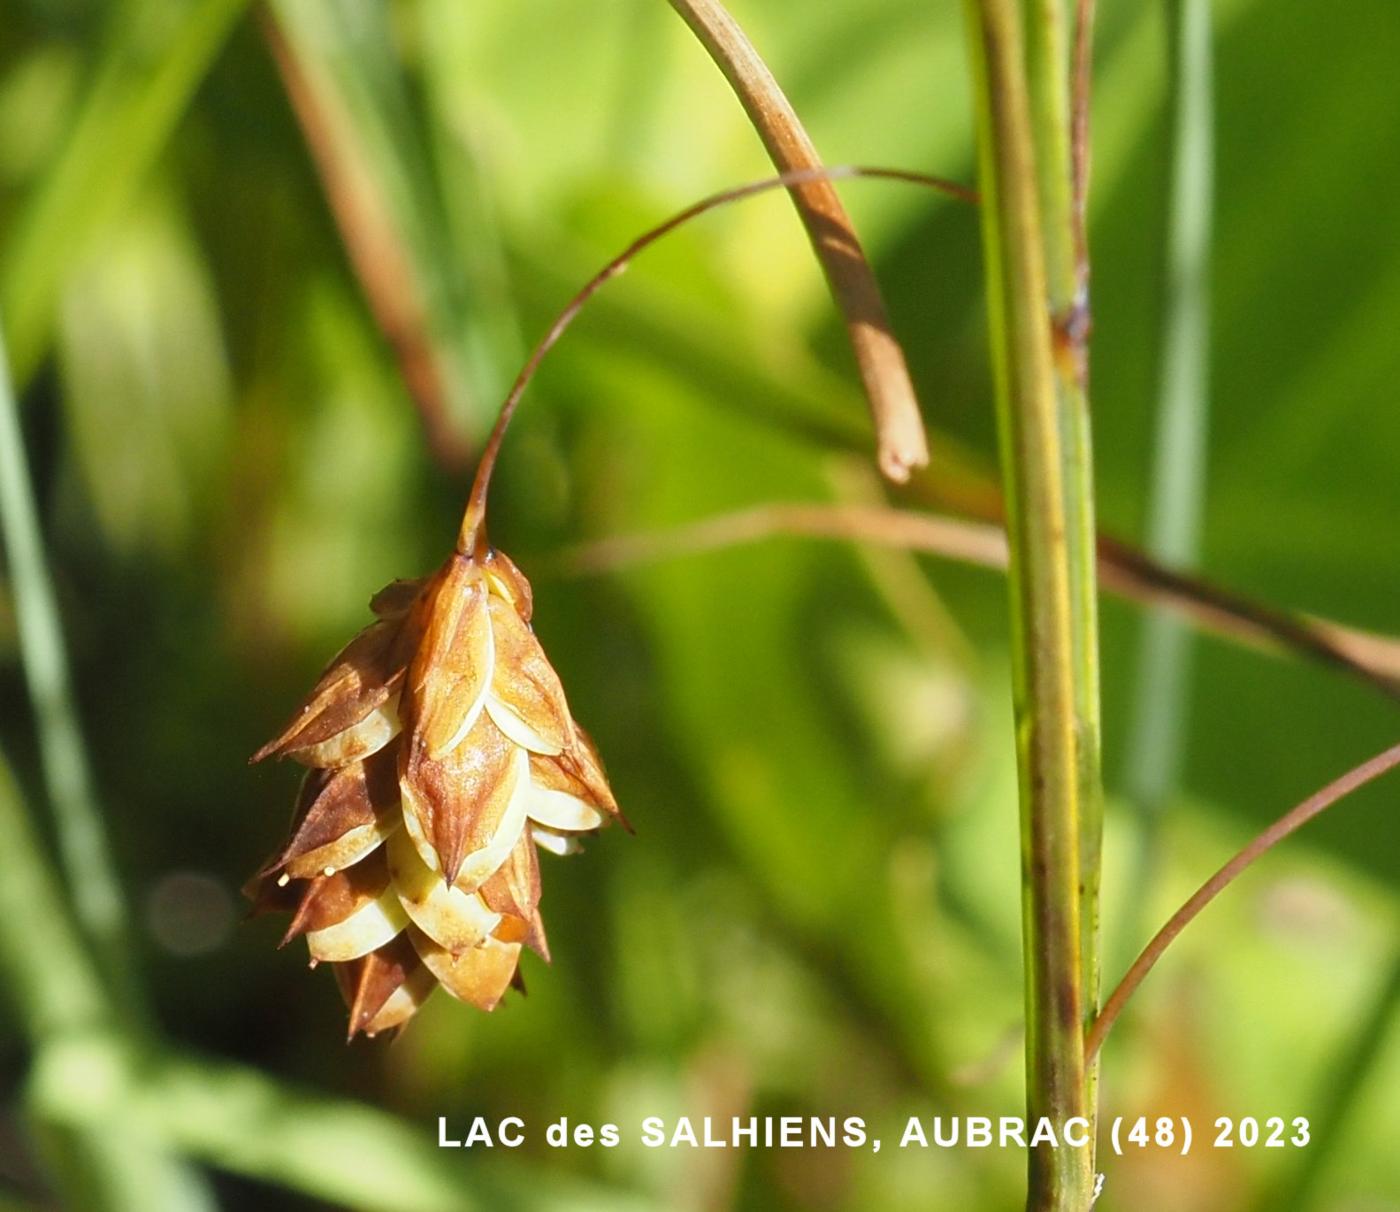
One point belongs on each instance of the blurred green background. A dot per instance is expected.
(819, 912)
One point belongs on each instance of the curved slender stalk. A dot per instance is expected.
(471, 538)
(899, 431)
(1289, 823)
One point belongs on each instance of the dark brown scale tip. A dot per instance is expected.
(368, 983)
(361, 1015)
(333, 802)
(301, 917)
(537, 943)
(452, 861)
(269, 896)
(271, 749)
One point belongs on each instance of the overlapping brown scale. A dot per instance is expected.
(328, 900)
(514, 892)
(359, 741)
(457, 920)
(385, 987)
(479, 976)
(501, 569)
(350, 913)
(455, 805)
(341, 816)
(578, 771)
(451, 671)
(561, 800)
(524, 684)
(363, 676)
(587, 764)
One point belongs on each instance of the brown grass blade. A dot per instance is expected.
(899, 431)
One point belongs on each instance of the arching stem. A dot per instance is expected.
(1289, 823)
(471, 539)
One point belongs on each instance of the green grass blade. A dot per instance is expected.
(1156, 738)
(82, 835)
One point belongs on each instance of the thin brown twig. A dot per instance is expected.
(472, 536)
(1287, 824)
(901, 443)
(372, 244)
(967, 542)
(1373, 658)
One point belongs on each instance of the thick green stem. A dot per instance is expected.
(1033, 298)
(1056, 117)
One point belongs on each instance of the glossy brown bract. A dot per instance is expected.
(442, 754)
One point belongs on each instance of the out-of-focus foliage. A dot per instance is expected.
(819, 913)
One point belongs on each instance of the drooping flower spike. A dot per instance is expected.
(442, 754)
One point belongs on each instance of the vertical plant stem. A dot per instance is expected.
(1061, 129)
(1155, 741)
(901, 444)
(1028, 233)
(82, 836)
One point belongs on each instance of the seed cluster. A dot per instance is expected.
(442, 754)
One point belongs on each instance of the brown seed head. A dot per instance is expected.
(442, 754)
